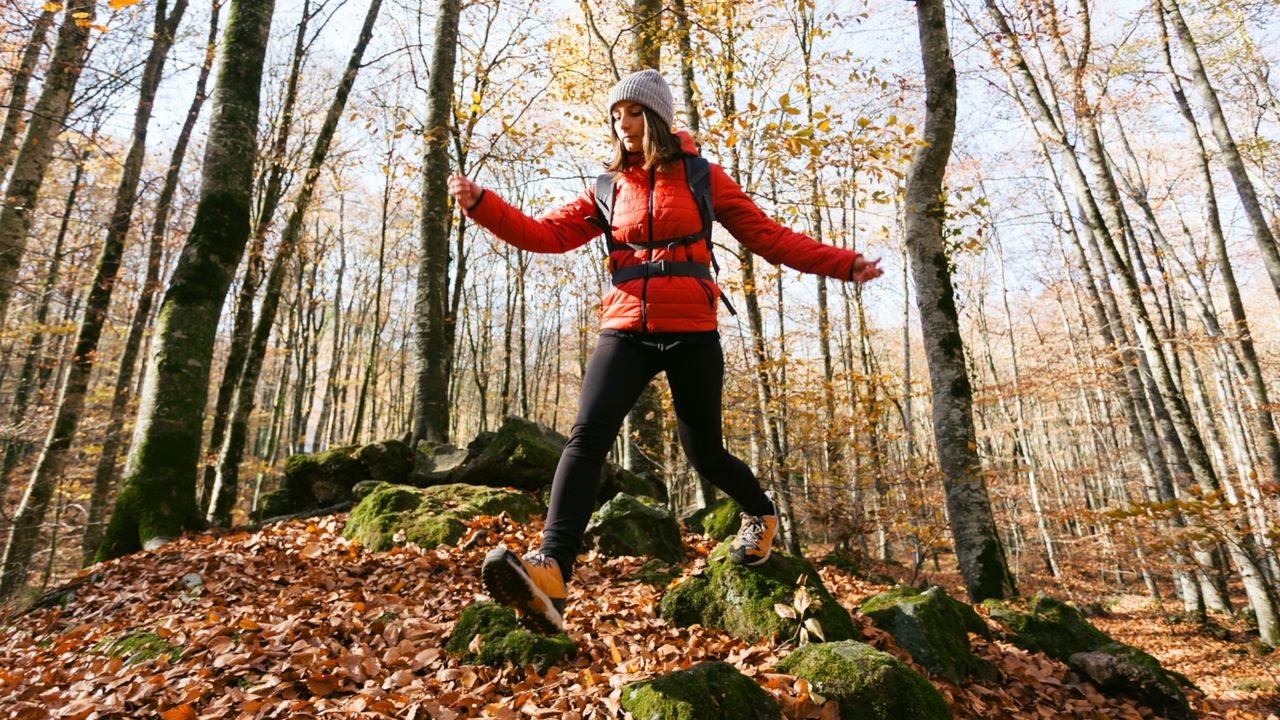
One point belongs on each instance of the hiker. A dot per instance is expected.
(654, 206)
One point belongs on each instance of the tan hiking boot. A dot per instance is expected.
(754, 542)
(532, 584)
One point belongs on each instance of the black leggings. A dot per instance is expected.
(619, 370)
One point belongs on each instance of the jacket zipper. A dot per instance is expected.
(644, 287)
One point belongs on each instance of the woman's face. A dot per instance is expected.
(628, 125)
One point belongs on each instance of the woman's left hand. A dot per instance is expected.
(865, 270)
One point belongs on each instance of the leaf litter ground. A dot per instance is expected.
(295, 621)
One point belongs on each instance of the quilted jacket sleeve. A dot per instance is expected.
(769, 239)
(561, 230)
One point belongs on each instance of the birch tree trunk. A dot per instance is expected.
(158, 498)
(22, 184)
(979, 552)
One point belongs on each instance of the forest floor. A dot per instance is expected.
(295, 621)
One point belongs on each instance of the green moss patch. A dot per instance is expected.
(626, 525)
(718, 520)
(706, 691)
(429, 516)
(136, 647)
(740, 600)
(1062, 632)
(933, 627)
(867, 684)
(501, 640)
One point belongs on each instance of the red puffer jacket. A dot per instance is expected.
(656, 206)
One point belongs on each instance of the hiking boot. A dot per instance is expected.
(755, 539)
(531, 584)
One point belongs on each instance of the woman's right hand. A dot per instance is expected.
(464, 191)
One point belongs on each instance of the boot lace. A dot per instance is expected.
(752, 529)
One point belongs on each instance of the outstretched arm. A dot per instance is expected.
(779, 244)
(561, 230)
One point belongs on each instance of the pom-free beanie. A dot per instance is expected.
(647, 88)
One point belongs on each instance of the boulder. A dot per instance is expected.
(706, 691)
(933, 627)
(866, 684)
(1062, 632)
(519, 454)
(740, 600)
(488, 634)
(429, 516)
(523, 455)
(616, 479)
(718, 520)
(432, 463)
(629, 526)
(327, 478)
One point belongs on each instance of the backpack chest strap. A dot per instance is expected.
(661, 268)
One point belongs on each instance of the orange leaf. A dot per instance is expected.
(248, 624)
(180, 712)
(118, 4)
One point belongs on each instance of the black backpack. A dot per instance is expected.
(697, 172)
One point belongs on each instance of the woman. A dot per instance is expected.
(659, 316)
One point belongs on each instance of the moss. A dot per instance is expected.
(740, 600)
(843, 559)
(429, 516)
(719, 520)
(706, 691)
(629, 526)
(933, 627)
(867, 684)
(138, 647)
(1049, 626)
(502, 641)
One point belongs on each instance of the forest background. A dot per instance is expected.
(815, 108)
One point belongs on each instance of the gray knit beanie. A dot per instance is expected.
(647, 88)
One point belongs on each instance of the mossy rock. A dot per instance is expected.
(433, 463)
(657, 573)
(520, 454)
(429, 516)
(707, 691)
(867, 684)
(1119, 669)
(843, 559)
(387, 461)
(503, 641)
(740, 600)
(615, 479)
(1062, 632)
(136, 647)
(933, 627)
(628, 526)
(1048, 626)
(718, 520)
(327, 478)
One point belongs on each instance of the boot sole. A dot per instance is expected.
(505, 580)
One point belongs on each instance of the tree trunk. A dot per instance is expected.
(1262, 234)
(242, 324)
(227, 483)
(433, 349)
(22, 184)
(978, 549)
(105, 474)
(158, 498)
(17, 447)
(49, 468)
(18, 86)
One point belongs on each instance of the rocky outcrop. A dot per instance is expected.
(706, 691)
(629, 526)
(933, 627)
(866, 684)
(393, 514)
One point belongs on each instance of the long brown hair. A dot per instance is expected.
(660, 146)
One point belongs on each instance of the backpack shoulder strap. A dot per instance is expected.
(604, 207)
(697, 172)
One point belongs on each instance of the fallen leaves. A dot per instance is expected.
(296, 621)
